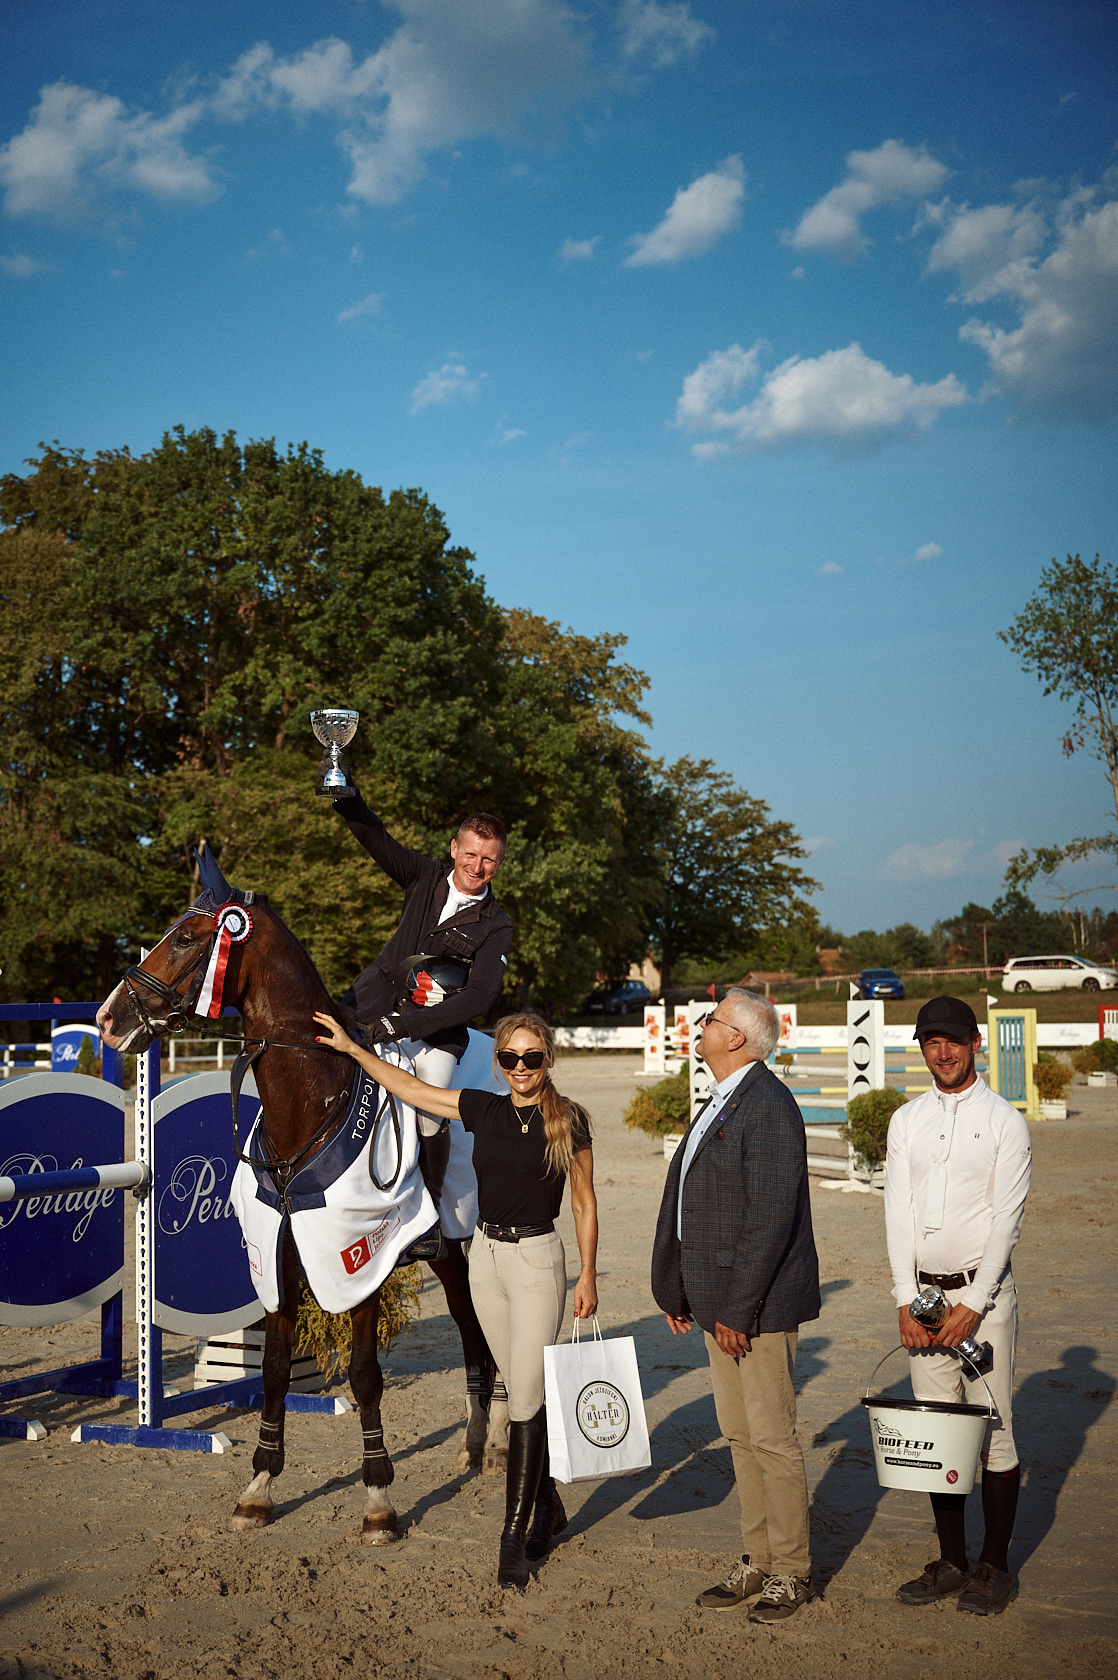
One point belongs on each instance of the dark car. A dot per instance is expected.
(880, 983)
(620, 997)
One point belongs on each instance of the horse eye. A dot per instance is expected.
(183, 937)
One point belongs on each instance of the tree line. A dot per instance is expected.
(169, 620)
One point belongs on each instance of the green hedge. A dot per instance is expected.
(867, 1123)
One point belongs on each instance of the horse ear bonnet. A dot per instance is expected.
(213, 881)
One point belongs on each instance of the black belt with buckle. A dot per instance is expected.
(948, 1280)
(514, 1233)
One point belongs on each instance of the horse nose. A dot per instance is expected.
(104, 1021)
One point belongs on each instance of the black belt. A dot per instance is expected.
(948, 1280)
(514, 1233)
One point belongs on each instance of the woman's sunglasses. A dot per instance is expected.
(532, 1059)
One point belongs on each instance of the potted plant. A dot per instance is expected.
(663, 1110)
(867, 1130)
(1052, 1079)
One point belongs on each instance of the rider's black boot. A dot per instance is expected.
(527, 1446)
(434, 1158)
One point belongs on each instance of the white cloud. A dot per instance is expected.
(578, 250)
(23, 266)
(371, 304)
(508, 434)
(982, 244)
(79, 144)
(454, 70)
(1062, 357)
(450, 383)
(663, 32)
(819, 843)
(937, 862)
(697, 218)
(830, 569)
(928, 551)
(842, 400)
(890, 175)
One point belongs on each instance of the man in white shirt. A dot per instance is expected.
(956, 1179)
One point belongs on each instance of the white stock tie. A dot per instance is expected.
(937, 1177)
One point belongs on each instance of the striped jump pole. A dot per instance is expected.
(124, 1175)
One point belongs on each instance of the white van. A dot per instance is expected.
(1054, 974)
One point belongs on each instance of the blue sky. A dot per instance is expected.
(781, 338)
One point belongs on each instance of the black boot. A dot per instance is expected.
(434, 1158)
(527, 1445)
(548, 1515)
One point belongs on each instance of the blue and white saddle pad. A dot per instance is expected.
(348, 1234)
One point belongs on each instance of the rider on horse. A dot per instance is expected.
(445, 963)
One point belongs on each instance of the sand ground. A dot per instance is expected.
(118, 1564)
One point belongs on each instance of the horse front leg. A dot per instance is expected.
(254, 1509)
(379, 1527)
(481, 1370)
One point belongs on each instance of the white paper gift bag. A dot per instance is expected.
(595, 1409)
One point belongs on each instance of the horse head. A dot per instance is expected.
(177, 979)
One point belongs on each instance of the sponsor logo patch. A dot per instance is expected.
(603, 1414)
(359, 1253)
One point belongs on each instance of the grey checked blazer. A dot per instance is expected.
(748, 1257)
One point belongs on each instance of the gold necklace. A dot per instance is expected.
(524, 1124)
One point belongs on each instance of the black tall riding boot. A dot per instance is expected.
(527, 1445)
(434, 1158)
(548, 1515)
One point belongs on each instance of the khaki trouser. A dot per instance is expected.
(756, 1406)
(519, 1292)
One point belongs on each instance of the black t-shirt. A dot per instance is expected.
(513, 1184)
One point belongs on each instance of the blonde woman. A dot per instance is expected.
(525, 1144)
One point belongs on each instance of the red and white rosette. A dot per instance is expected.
(234, 926)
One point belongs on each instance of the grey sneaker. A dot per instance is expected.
(988, 1592)
(939, 1580)
(743, 1581)
(781, 1598)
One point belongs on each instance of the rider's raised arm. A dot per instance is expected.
(429, 1098)
(402, 864)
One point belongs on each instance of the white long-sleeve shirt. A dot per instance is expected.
(987, 1181)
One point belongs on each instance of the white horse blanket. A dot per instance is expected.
(349, 1235)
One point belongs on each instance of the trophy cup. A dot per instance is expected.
(335, 728)
(930, 1309)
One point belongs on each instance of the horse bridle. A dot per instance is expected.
(281, 1167)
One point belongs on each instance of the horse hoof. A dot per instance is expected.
(380, 1530)
(496, 1461)
(251, 1516)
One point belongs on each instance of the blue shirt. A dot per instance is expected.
(720, 1094)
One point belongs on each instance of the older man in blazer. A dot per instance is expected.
(734, 1250)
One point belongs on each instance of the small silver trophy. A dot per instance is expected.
(931, 1309)
(335, 728)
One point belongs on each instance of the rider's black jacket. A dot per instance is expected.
(481, 932)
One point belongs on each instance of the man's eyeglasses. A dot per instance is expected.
(710, 1019)
(532, 1059)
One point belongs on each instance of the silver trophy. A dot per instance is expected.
(931, 1309)
(335, 728)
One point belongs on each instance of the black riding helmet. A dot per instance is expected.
(416, 975)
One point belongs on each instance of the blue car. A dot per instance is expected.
(880, 983)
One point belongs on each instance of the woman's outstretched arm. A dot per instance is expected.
(429, 1098)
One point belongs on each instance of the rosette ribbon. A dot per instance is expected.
(234, 926)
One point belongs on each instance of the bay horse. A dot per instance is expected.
(270, 980)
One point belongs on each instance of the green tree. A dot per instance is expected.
(1068, 635)
(723, 871)
(903, 946)
(204, 598)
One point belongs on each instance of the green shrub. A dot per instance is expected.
(88, 1060)
(665, 1107)
(867, 1123)
(329, 1336)
(1100, 1056)
(1051, 1079)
